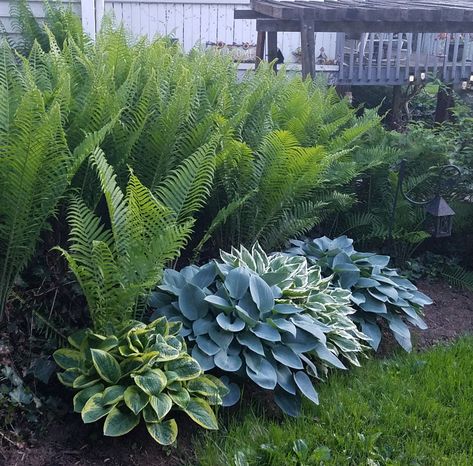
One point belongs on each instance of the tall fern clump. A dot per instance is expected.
(116, 267)
(288, 164)
(36, 164)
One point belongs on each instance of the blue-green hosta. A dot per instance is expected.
(377, 290)
(270, 319)
(143, 372)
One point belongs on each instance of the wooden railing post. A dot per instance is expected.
(308, 48)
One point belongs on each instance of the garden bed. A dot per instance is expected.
(65, 440)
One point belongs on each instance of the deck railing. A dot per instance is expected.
(388, 58)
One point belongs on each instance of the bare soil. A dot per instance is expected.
(67, 441)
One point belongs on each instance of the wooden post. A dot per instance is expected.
(307, 49)
(260, 40)
(273, 48)
(396, 111)
(87, 10)
(444, 104)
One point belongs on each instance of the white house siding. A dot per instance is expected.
(190, 21)
(36, 7)
(201, 21)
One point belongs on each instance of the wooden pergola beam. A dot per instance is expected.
(289, 25)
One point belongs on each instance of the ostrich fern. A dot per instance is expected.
(117, 267)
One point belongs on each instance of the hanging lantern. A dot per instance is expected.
(439, 217)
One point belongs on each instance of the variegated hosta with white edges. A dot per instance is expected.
(141, 372)
(271, 319)
(378, 291)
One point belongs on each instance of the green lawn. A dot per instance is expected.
(410, 410)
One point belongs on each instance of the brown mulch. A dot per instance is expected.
(448, 318)
(68, 442)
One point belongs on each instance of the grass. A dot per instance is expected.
(413, 409)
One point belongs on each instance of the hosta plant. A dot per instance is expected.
(378, 291)
(271, 319)
(142, 372)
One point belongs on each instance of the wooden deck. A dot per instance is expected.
(390, 42)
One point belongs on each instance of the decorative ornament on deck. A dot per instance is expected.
(439, 215)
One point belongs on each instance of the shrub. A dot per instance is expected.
(377, 290)
(140, 372)
(270, 319)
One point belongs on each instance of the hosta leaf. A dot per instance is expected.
(191, 302)
(371, 330)
(389, 291)
(285, 379)
(378, 295)
(68, 358)
(237, 281)
(290, 404)
(218, 302)
(265, 376)
(181, 398)
(165, 433)
(205, 276)
(261, 293)
(229, 324)
(287, 309)
(284, 325)
(366, 283)
(221, 337)
(205, 362)
(266, 332)
(206, 345)
(348, 277)
(310, 326)
(233, 395)
(358, 298)
(106, 366)
(119, 422)
(136, 399)
(324, 353)
(420, 298)
(201, 413)
(414, 318)
(186, 368)
(94, 409)
(161, 405)
(108, 343)
(245, 316)
(81, 398)
(305, 386)
(129, 365)
(286, 356)
(202, 386)
(73, 376)
(83, 381)
(373, 305)
(251, 341)
(151, 381)
(112, 395)
(201, 326)
(397, 325)
(380, 261)
(77, 338)
(227, 362)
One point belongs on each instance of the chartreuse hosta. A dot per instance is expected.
(142, 372)
(271, 319)
(377, 290)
